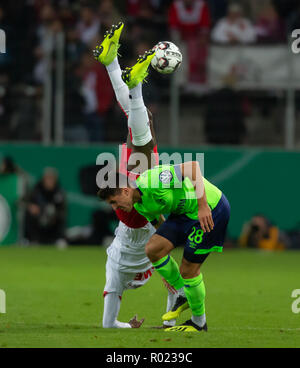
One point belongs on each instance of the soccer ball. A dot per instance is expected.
(167, 57)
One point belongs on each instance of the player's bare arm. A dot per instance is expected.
(192, 170)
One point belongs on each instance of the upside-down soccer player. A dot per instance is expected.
(127, 264)
(199, 214)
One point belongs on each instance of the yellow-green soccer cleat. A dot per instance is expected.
(136, 74)
(108, 50)
(188, 326)
(180, 305)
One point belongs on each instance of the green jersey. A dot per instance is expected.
(164, 191)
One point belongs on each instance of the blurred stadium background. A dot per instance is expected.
(235, 98)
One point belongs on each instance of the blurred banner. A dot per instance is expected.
(254, 67)
(256, 181)
(9, 195)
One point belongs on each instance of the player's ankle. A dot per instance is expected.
(199, 320)
(136, 92)
(181, 292)
(113, 65)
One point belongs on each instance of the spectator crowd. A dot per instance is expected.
(89, 104)
(36, 210)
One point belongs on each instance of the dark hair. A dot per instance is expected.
(105, 193)
(112, 184)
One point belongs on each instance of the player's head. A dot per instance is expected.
(117, 191)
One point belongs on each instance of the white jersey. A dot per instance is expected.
(127, 251)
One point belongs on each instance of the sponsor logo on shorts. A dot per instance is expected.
(143, 275)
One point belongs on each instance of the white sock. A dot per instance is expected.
(170, 323)
(181, 292)
(120, 88)
(113, 65)
(138, 120)
(170, 303)
(136, 92)
(112, 305)
(199, 320)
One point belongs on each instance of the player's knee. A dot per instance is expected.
(189, 270)
(157, 248)
(151, 252)
(154, 251)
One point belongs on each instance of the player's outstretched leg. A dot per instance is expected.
(170, 304)
(107, 54)
(168, 268)
(180, 305)
(194, 288)
(177, 303)
(137, 73)
(108, 50)
(195, 291)
(138, 120)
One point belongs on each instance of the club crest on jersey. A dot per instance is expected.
(165, 176)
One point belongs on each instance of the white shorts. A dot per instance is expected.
(127, 265)
(117, 281)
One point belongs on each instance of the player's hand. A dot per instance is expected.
(169, 287)
(134, 323)
(205, 218)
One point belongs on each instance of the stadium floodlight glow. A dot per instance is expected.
(2, 42)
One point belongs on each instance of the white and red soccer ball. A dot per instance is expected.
(167, 57)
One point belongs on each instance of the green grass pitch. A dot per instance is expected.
(54, 299)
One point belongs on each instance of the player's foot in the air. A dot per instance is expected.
(180, 305)
(108, 50)
(136, 74)
(188, 326)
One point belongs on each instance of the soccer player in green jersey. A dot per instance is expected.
(199, 214)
